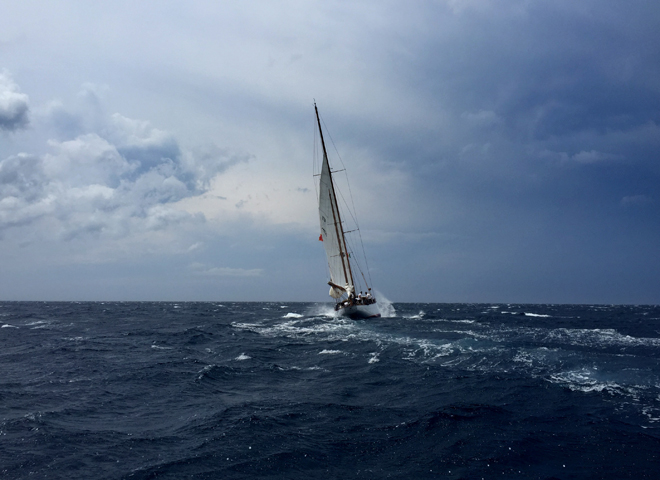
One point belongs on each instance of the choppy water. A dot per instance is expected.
(268, 390)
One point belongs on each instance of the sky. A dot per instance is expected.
(497, 150)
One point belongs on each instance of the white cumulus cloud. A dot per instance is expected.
(112, 176)
(14, 105)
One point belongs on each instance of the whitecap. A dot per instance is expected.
(6, 325)
(648, 411)
(204, 371)
(585, 380)
(293, 315)
(536, 315)
(242, 356)
(329, 352)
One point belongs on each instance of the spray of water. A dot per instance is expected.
(322, 310)
(385, 306)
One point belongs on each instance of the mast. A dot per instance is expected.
(335, 210)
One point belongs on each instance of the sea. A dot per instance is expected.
(227, 390)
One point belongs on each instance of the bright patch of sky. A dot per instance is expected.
(498, 151)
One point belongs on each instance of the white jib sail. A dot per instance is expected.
(331, 233)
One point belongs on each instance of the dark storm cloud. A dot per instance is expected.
(542, 151)
(518, 84)
(14, 106)
(545, 69)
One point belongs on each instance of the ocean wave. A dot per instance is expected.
(589, 380)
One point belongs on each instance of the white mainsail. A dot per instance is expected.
(332, 233)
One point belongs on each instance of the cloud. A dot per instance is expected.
(205, 270)
(592, 156)
(636, 201)
(582, 157)
(14, 106)
(116, 177)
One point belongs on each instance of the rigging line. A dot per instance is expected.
(366, 262)
(356, 261)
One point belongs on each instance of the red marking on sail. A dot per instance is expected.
(321, 238)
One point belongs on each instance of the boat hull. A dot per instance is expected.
(359, 312)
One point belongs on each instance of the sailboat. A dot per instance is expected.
(340, 259)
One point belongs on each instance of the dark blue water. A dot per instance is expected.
(268, 390)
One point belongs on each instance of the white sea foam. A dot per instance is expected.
(204, 370)
(591, 337)
(312, 368)
(536, 315)
(293, 315)
(578, 382)
(419, 316)
(158, 347)
(337, 329)
(242, 356)
(6, 325)
(523, 357)
(322, 310)
(483, 347)
(385, 306)
(652, 413)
